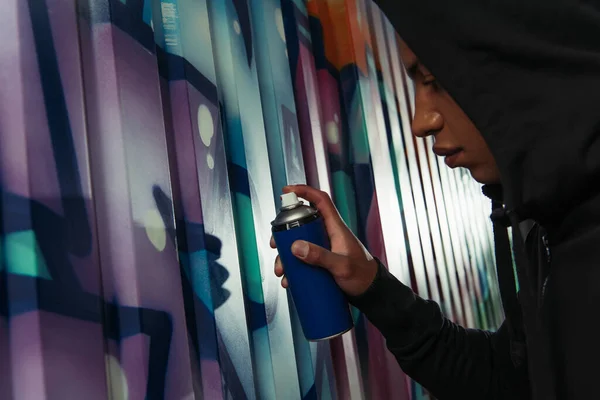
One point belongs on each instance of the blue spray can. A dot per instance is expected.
(322, 308)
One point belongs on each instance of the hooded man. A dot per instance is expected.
(509, 89)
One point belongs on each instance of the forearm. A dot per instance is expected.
(450, 361)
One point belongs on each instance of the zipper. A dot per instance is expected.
(548, 259)
(547, 247)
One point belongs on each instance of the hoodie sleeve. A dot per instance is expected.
(452, 362)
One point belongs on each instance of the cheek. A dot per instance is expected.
(463, 130)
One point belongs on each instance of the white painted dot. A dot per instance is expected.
(210, 161)
(117, 380)
(155, 230)
(206, 124)
(279, 23)
(236, 27)
(332, 132)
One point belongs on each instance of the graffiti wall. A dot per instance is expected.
(143, 148)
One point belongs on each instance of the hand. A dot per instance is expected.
(351, 265)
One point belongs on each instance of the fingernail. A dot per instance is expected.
(300, 249)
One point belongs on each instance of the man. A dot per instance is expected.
(510, 90)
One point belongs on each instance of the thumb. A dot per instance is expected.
(316, 255)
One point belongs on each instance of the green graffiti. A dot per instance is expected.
(345, 199)
(23, 256)
(247, 248)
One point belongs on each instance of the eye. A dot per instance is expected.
(429, 80)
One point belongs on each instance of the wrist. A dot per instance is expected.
(370, 273)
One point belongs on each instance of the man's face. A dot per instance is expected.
(456, 137)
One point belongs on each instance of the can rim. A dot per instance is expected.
(332, 336)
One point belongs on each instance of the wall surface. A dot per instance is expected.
(143, 148)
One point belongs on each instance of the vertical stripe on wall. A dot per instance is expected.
(287, 165)
(129, 169)
(196, 142)
(316, 117)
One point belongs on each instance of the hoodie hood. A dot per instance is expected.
(527, 73)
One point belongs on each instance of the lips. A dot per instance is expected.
(452, 155)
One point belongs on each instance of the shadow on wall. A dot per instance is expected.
(37, 245)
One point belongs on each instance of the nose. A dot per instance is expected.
(426, 121)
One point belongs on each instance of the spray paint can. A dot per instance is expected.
(322, 308)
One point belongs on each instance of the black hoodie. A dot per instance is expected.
(527, 73)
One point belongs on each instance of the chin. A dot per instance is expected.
(485, 176)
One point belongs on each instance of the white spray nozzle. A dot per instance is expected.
(289, 199)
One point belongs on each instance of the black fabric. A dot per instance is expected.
(452, 362)
(541, 374)
(508, 288)
(570, 306)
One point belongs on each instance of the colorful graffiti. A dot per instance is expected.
(143, 147)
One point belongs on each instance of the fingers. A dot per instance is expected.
(320, 200)
(278, 267)
(272, 243)
(310, 253)
(279, 272)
